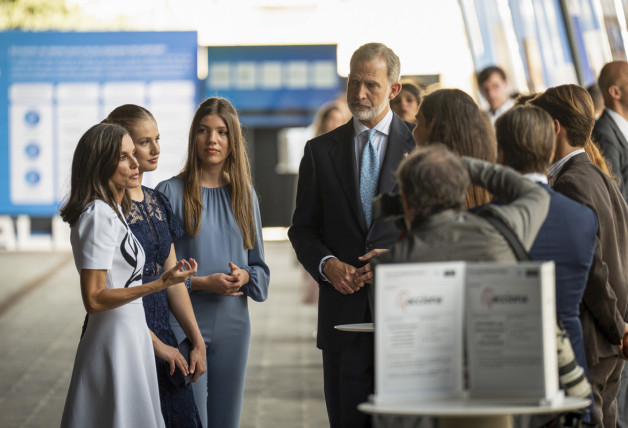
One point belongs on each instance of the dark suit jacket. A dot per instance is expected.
(615, 148)
(568, 238)
(604, 304)
(328, 220)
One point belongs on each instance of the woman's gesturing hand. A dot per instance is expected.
(179, 272)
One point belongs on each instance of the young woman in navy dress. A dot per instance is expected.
(155, 227)
(214, 199)
(114, 383)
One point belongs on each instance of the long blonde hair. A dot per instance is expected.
(236, 167)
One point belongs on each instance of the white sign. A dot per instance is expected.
(418, 335)
(511, 336)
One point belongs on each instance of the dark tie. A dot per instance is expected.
(369, 173)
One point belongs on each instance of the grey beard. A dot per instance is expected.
(369, 114)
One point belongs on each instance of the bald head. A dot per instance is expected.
(613, 83)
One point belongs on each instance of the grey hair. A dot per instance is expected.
(433, 179)
(372, 51)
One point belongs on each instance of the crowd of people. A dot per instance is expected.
(561, 196)
(166, 273)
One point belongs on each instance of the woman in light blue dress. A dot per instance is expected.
(214, 199)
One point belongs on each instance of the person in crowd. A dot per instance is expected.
(156, 228)
(611, 129)
(598, 99)
(333, 227)
(494, 87)
(114, 380)
(433, 181)
(451, 117)
(329, 117)
(521, 99)
(604, 303)
(611, 133)
(591, 148)
(525, 141)
(406, 104)
(215, 200)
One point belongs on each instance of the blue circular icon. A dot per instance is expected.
(31, 118)
(32, 177)
(32, 150)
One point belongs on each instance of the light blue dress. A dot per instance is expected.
(223, 320)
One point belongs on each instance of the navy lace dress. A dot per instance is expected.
(154, 226)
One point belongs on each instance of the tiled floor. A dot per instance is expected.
(40, 327)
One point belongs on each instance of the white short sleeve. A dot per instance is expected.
(94, 237)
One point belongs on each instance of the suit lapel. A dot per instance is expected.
(342, 159)
(400, 143)
(616, 130)
(579, 158)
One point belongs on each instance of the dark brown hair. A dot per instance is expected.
(572, 106)
(488, 72)
(457, 122)
(95, 160)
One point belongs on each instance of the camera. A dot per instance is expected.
(387, 206)
(571, 376)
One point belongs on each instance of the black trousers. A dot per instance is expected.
(349, 380)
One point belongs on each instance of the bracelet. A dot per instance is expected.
(188, 284)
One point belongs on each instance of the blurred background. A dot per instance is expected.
(64, 64)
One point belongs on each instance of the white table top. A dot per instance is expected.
(365, 327)
(469, 407)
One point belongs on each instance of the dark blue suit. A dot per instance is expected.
(328, 220)
(568, 238)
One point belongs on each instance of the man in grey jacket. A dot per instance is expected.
(433, 182)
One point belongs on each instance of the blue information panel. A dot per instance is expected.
(274, 85)
(54, 86)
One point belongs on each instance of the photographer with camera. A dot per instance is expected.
(433, 182)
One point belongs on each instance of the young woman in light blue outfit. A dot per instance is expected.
(214, 199)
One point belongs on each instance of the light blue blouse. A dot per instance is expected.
(223, 320)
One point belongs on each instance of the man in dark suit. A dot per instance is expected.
(605, 302)
(333, 232)
(611, 129)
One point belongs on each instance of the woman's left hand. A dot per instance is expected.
(198, 362)
(172, 357)
(240, 276)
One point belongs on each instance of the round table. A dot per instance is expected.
(365, 327)
(461, 412)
